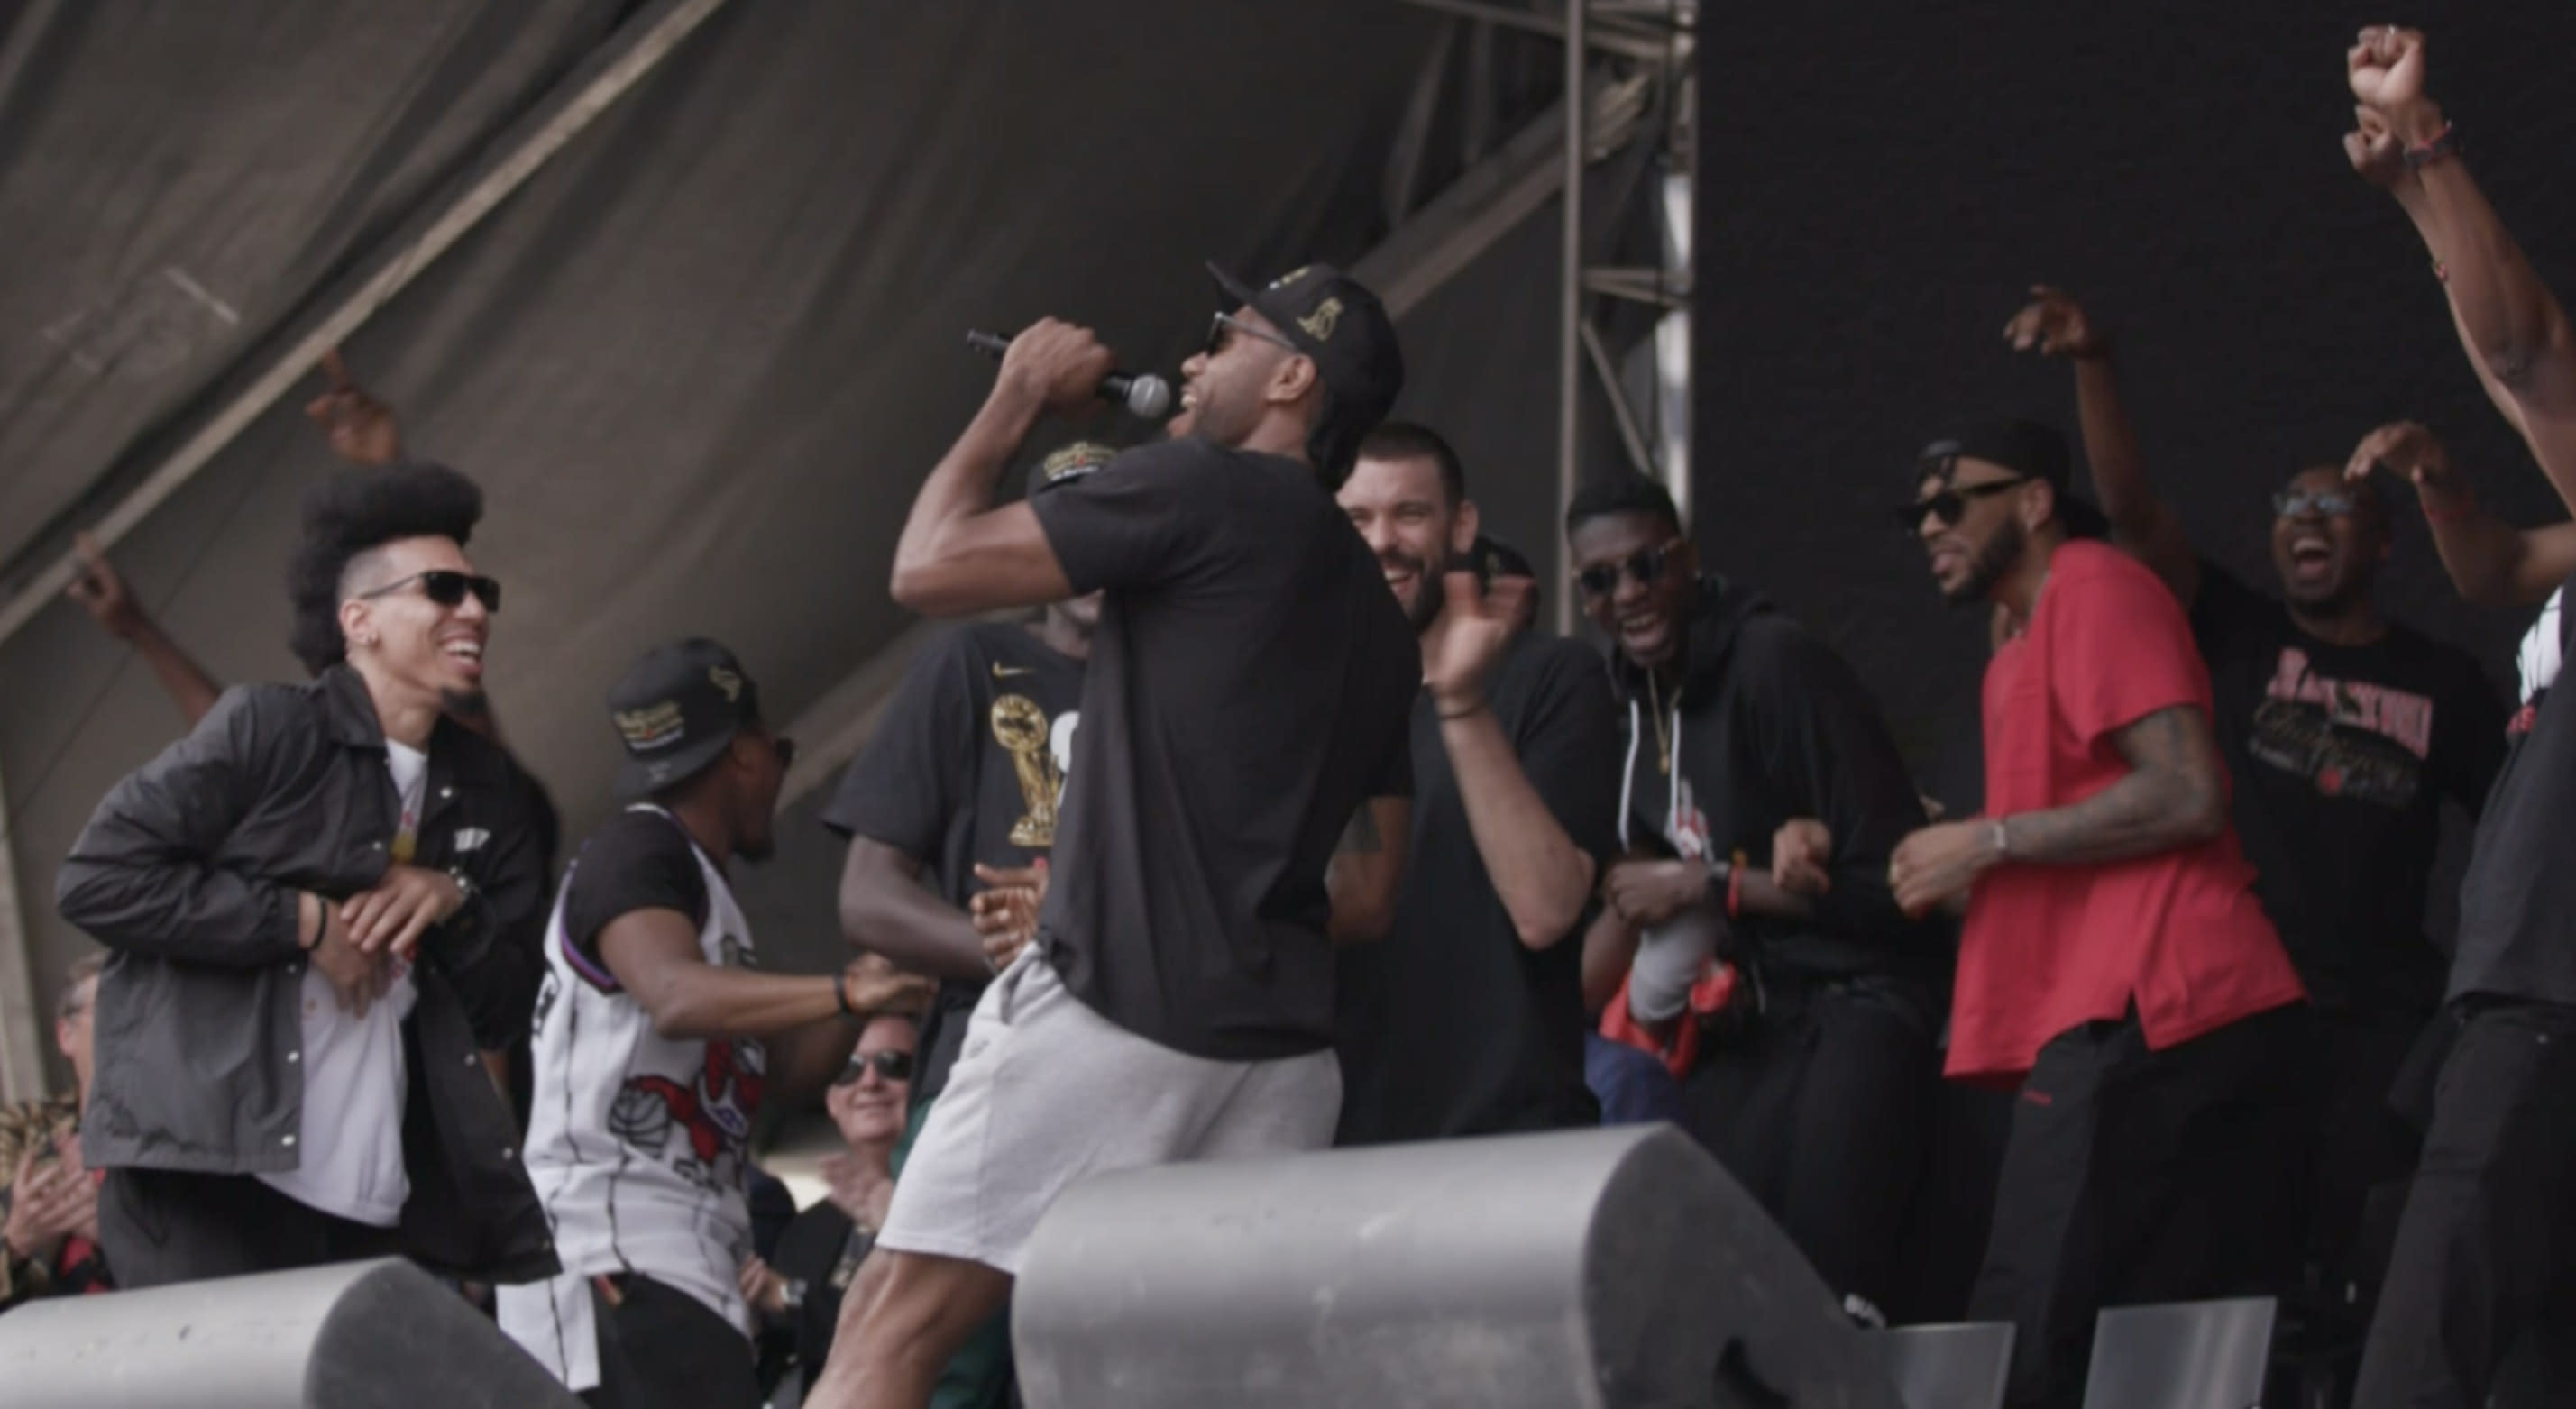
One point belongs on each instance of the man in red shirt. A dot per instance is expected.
(2115, 964)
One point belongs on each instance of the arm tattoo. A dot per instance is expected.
(2165, 802)
(1361, 837)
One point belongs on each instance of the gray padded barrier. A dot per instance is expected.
(359, 1335)
(1596, 1269)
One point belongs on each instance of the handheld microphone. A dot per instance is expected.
(1143, 394)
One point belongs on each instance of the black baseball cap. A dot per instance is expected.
(1494, 558)
(1083, 457)
(2026, 448)
(1335, 320)
(676, 709)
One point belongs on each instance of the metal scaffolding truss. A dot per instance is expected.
(1631, 60)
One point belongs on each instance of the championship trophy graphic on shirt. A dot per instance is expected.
(1021, 727)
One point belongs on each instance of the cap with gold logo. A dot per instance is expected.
(675, 710)
(1334, 319)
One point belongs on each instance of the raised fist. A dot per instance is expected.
(2385, 67)
(1061, 363)
(2374, 151)
(100, 590)
(2055, 324)
(361, 428)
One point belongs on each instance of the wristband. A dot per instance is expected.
(1448, 718)
(2002, 840)
(2445, 143)
(1734, 885)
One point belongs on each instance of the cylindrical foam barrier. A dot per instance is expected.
(357, 1335)
(1597, 1268)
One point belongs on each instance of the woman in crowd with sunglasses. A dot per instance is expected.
(820, 1253)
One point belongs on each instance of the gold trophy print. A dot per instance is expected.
(1021, 727)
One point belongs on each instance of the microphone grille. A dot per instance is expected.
(1149, 396)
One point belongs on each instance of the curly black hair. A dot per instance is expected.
(1626, 492)
(351, 513)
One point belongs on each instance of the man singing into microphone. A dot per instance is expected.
(1247, 704)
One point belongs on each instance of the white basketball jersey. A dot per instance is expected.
(637, 1143)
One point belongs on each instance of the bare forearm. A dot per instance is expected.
(1757, 894)
(183, 679)
(919, 931)
(2509, 316)
(1361, 883)
(1609, 947)
(958, 489)
(2482, 553)
(1542, 877)
(2143, 523)
(709, 1002)
(2142, 814)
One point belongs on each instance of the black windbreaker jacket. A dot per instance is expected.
(188, 873)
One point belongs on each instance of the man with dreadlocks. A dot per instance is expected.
(316, 905)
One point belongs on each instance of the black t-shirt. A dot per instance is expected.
(1250, 683)
(640, 860)
(967, 765)
(2340, 758)
(2518, 901)
(1450, 1025)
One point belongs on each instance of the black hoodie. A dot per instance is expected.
(1770, 724)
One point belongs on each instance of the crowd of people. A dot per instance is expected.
(1276, 824)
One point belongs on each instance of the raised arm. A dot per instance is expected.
(2492, 563)
(885, 909)
(2143, 525)
(100, 590)
(2513, 327)
(1543, 878)
(958, 554)
(2174, 795)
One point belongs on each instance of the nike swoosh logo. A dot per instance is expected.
(1005, 672)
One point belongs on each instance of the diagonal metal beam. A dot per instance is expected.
(1605, 32)
(1492, 198)
(643, 42)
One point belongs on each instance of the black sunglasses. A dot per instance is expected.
(1224, 323)
(1645, 565)
(445, 587)
(891, 1065)
(1951, 503)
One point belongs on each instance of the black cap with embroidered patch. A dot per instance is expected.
(1083, 457)
(675, 710)
(1334, 319)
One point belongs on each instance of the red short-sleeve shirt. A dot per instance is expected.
(2048, 948)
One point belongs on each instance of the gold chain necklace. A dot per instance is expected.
(1663, 738)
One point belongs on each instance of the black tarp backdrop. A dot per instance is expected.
(700, 362)
(1879, 184)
